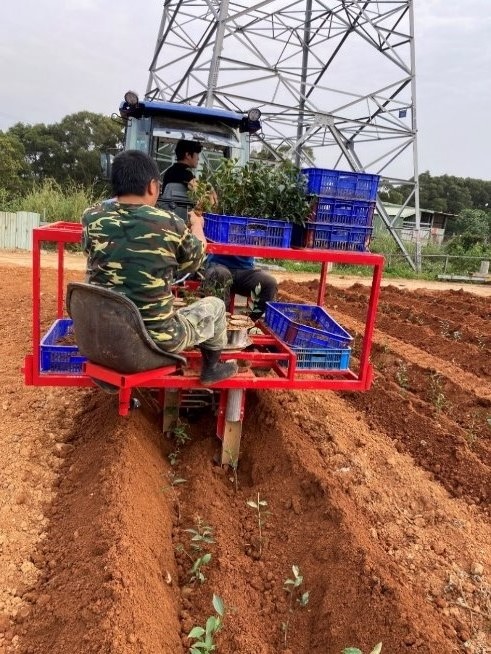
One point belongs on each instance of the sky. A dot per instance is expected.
(58, 57)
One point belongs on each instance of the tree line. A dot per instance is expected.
(68, 152)
(445, 193)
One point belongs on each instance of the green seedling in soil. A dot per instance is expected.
(354, 650)
(401, 375)
(262, 513)
(174, 457)
(181, 436)
(437, 396)
(180, 433)
(234, 464)
(204, 637)
(196, 571)
(297, 598)
(174, 482)
(202, 534)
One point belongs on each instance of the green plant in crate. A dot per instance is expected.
(260, 189)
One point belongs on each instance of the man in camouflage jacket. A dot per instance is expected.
(138, 250)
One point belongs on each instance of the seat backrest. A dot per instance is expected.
(175, 197)
(109, 330)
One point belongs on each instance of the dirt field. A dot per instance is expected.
(381, 498)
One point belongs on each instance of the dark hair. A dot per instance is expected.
(131, 173)
(187, 147)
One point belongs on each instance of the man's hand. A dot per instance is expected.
(197, 222)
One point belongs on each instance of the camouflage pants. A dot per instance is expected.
(204, 323)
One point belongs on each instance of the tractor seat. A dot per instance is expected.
(110, 331)
(175, 197)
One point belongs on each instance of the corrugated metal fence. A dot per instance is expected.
(16, 229)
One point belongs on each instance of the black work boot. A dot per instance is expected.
(213, 370)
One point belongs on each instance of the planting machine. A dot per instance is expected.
(269, 360)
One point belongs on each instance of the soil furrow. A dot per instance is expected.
(380, 498)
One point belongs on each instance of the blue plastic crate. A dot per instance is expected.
(60, 358)
(246, 230)
(343, 212)
(342, 184)
(320, 236)
(323, 359)
(288, 321)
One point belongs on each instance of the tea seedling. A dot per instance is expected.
(437, 396)
(202, 534)
(354, 650)
(262, 512)
(180, 433)
(402, 376)
(234, 464)
(297, 598)
(175, 481)
(204, 637)
(181, 436)
(196, 571)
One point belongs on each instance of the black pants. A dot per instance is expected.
(259, 285)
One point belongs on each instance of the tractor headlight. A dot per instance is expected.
(254, 114)
(131, 98)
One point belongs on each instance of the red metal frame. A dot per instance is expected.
(288, 377)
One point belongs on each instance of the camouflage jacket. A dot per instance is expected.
(138, 250)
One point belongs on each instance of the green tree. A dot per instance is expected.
(12, 163)
(472, 227)
(69, 151)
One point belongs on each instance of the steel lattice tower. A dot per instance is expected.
(334, 79)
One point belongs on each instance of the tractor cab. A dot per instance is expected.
(154, 127)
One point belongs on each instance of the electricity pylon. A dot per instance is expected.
(334, 79)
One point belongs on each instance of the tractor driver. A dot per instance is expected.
(223, 274)
(137, 250)
(187, 159)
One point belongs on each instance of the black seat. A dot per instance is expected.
(110, 332)
(175, 197)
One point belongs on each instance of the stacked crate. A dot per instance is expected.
(342, 216)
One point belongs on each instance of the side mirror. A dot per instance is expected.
(106, 165)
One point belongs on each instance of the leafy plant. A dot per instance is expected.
(180, 433)
(234, 464)
(354, 650)
(175, 481)
(260, 189)
(402, 376)
(202, 534)
(436, 394)
(262, 512)
(196, 571)
(203, 195)
(297, 598)
(204, 637)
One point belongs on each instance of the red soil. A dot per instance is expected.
(382, 499)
